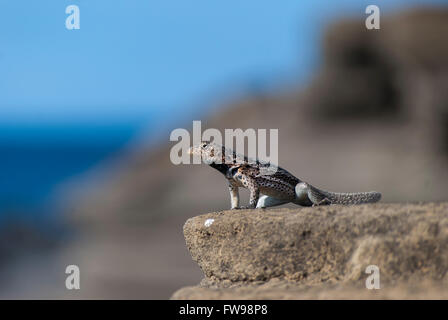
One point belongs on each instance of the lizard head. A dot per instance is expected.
(210, 152)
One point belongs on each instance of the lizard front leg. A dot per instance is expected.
(254, 190)
(234, 196)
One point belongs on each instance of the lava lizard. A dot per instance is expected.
(276, 187)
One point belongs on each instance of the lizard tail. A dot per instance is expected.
(318, 196)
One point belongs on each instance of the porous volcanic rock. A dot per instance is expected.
(320, 252)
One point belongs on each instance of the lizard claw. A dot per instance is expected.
(323, 202)
(246, 207)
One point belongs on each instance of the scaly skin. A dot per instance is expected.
(276, 186)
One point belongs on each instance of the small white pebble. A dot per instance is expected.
(209, 222)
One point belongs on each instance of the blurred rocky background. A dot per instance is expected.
(373, 117)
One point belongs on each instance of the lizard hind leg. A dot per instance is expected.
(318, 197)
(323, 202)
(267, 201)
(307, 195)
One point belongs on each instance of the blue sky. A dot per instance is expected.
(130, 56)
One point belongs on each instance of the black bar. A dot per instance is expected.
(229, 309)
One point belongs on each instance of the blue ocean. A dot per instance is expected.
(34, 163)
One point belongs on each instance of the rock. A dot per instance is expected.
(320, 252)
(284, 290)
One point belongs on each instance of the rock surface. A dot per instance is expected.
(320, 252)
(284, 290)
